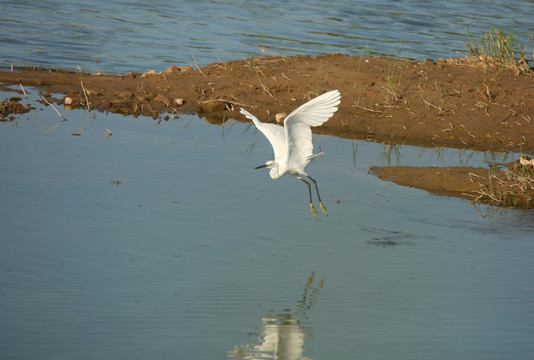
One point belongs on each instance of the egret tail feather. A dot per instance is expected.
(315, 156)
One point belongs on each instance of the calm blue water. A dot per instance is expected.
(194, 254)
(162, 241)
(127, 36)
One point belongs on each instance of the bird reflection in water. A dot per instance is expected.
(281, 335)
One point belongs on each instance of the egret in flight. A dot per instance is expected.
(292, 144)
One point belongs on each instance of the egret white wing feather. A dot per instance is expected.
(274, 133)
(297, 126)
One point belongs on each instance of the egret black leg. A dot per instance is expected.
(318, 196)
(314, 212)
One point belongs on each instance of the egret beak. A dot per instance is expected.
(261, 166)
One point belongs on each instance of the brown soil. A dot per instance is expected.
(510, 187)
(449, 103)
(12, 106)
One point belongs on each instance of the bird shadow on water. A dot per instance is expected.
(281, 335)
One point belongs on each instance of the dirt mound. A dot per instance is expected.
(444, 103)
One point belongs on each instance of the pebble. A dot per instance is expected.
(177, 69)
(162, 99)
(280, 117)
(212, 106)
(68, 100)
(151, 72)
(526, 161)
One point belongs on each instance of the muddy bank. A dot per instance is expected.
(444, 103)
(509, 186)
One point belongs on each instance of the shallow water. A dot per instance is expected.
(139, 36)
(162, 241)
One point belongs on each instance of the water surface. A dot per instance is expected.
(162, 241)
(139, 36)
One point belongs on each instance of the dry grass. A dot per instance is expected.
(86, 98)
(512, 187)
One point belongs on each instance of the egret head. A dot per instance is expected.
(268, 164)
(275, 174)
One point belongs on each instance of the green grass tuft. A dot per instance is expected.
(499, 48)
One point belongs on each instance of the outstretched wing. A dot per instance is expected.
(297, 124)
(274, 133)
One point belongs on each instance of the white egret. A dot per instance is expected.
(292, 143)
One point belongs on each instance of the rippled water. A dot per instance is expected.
(139, 36)
(162, 241)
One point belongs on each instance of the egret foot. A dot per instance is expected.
(314, 212)
(323, 208)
